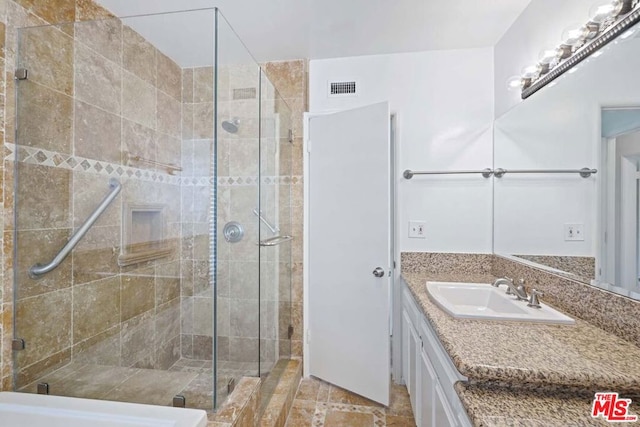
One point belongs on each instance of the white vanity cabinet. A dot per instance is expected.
(428, 371)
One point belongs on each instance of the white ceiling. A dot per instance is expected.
(292, 29)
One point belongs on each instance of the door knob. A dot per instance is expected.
(378, 272)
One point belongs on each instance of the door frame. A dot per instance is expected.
(628, 221)
(395, 299)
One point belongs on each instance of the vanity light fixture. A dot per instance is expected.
(575, 36)
(608, 20)
(549, 58)
(514, 83)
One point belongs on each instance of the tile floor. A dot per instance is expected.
(319, 404)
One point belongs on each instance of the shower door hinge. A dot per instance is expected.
(18, 344)
(290, 135)
(179, 401)
(21, 74)
(43, 388)
(290, 331)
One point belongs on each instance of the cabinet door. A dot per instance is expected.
(442, 413)
(411, 349)
(405, 346)
(428, 382)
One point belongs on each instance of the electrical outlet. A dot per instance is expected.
(417, 230)
(573, 232)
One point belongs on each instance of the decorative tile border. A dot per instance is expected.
(319, 417)
(235, 181)
(39, 156)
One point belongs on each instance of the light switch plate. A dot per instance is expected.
(573, 232)
(417, 230)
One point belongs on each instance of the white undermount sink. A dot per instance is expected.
(483, 301)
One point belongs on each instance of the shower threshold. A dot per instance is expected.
(190, 378)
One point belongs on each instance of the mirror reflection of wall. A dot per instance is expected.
(562, 127)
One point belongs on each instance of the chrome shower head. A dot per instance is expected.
(232, 125)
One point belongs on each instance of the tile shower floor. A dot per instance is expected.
(191, 378)
(319, 404)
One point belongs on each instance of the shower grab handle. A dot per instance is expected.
(275, 241)
(38, 270)
(274, 228)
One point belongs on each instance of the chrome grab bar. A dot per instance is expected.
(408, 174)
(275, 241)
(274, 228)
(499, 173)
(37, 270)
(584, 172)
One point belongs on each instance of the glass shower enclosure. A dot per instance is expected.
(152, 256)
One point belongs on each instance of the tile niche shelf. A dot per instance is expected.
(143, 235)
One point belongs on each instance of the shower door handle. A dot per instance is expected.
(378, 272)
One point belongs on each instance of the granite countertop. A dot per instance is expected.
(490, 406)
(530, 374)
(579, 355)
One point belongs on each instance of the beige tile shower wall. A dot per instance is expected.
(291, 80)
(96, 91)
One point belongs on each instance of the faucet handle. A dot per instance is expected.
(534, 302)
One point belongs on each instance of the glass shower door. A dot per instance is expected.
(237, 297)
(275, 236)
(253, 203)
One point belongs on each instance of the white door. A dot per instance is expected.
(622, 243)
(349, 232)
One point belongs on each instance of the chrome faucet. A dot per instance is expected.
(519, 290)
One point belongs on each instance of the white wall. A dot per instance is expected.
(538, 28)
(444, 106)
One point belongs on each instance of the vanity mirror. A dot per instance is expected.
(583, 227)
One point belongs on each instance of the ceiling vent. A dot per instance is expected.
(245, 93)
(343, 88)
